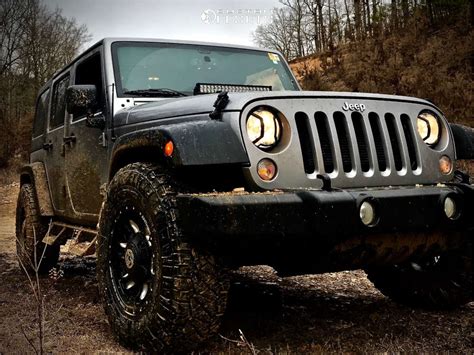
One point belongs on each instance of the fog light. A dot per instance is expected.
(445, 165)
(450, 208)
(266, 169)
(367, 213)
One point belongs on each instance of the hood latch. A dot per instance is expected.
(219, 105)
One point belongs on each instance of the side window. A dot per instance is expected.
(89, 72)
(58, 105)
(41, 113)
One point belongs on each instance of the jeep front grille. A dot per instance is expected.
(377, 147)
(350, 136)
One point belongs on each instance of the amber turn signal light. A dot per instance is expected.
(168, 149)
(266, 169)
(445, 165)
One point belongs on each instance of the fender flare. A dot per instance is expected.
(196, 143)
(35, 174)
(463, 140)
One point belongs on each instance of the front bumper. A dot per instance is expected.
(266, 227)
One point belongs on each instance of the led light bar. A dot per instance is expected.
(205, 88)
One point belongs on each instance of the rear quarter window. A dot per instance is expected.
(41, 113)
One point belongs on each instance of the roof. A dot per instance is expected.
(109, 40)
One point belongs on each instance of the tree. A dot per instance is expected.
(12, 29)
(316, 24)
(321, 25)
(277, 34)
(296, 15)
(34, 43)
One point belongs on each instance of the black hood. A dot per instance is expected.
(204, 104)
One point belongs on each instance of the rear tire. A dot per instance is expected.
(442, 282)
(159, 292)
(30, 230)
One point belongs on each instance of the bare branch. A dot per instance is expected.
(27, 338)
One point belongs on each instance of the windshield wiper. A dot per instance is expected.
(162, 92)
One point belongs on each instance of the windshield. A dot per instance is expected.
(154, 67)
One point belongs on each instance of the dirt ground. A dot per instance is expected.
(339, 312)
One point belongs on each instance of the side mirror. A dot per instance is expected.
(81, 99)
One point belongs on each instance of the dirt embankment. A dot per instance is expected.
(339, 312)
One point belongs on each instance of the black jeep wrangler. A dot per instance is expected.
(176, 162)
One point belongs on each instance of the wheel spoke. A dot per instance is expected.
(134, 226)
(455, 284)
(144, 291)
(416, 266)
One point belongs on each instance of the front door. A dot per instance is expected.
(86, 153)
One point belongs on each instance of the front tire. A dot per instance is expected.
(30, 229)
(159, 292)
(441, 282)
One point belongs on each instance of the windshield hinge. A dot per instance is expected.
(219, 105)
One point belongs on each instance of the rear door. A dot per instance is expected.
(54, 158)
(38, 147)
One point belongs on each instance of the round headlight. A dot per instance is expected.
(428, 128)
(264, 128)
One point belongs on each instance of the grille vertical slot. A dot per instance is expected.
(410, 139)
(306, 143)
(362, 143)
(325, 140)
(343, 137)
(378, 140)
(394, 138)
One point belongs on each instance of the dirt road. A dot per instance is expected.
(339, 312)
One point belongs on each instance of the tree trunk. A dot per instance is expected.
(349, 26)
(472, 16)
(317, 39)
(330, 28)
(364, 19)
(394, 15)
(338, 23)
(405, 11)
(369, 26)
(358, 25)
(321, 24)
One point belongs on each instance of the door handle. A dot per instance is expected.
(48, 146)
(69, 139)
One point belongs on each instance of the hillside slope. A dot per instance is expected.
(434, 65)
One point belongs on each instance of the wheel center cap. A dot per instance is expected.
(129, 258)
